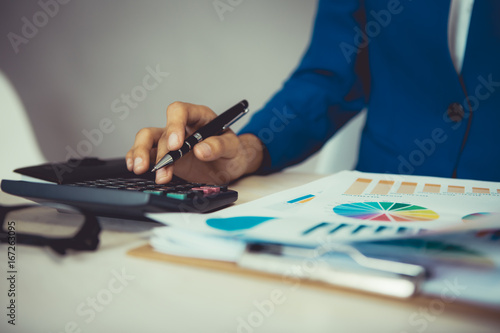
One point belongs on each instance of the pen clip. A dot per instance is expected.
(235, 119)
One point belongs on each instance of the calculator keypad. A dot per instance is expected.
(175, 189)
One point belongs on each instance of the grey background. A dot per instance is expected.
(91, 52)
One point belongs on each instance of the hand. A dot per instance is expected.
(216, 160)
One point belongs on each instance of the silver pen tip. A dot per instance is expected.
(166, 160)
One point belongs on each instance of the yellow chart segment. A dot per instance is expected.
(417, 215)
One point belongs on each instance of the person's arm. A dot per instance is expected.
(312, 104)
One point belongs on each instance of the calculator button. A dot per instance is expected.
(153, 192)
(132, 188)
(165, 188)
(177, 195)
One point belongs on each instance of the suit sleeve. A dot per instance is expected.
(321, 95)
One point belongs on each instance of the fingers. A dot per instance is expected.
(164, 175)
(215, 147)
(151, 144)
(138, 157)
(182, 115)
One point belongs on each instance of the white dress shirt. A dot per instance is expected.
(458, 30)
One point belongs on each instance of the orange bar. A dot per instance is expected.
(456, 189)
(480, 190)
(407, 188)
(359, 186)
(432, 188)
(383, 187)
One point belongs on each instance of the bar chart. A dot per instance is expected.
(363, 186)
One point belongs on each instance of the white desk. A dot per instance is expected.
(56, 294)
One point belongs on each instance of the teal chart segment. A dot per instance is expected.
(237, 223)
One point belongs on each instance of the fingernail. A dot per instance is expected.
(137, 163)
(161, 174)
(130, 164)
(173, 141)
(205, 149)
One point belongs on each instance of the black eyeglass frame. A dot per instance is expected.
(86, 239)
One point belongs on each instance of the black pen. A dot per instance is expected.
(219, 124)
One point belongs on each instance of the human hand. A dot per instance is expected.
(216, 160)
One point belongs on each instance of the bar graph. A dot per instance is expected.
(407, 188)
(359, 186)
(383, 187)
(432, 188)
(302, 199)
(367, 186)
(481, 190)
(456, 189)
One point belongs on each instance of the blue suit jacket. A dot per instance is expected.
(412, 82)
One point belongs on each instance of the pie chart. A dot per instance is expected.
(474, 217)
(385, 212)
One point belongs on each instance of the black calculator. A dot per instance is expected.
(107, 188)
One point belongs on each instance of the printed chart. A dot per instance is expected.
(474, 217)
(385, 211)
(302, 199)
(292, 205)
(349, 205)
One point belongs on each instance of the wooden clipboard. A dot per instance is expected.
(147, 252)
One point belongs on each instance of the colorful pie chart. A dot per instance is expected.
(385, 212)
(475, 217)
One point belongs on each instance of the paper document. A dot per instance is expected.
(347, 206)
(466, 262)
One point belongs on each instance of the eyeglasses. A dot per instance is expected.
(64, 228)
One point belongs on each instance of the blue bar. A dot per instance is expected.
(301, 198)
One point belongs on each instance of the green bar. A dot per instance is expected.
(180, 196)
(153, 192)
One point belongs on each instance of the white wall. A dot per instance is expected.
(70, 70)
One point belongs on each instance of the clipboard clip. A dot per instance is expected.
(339, 265)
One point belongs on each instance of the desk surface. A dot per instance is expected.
(109, 291)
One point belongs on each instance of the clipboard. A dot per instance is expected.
(146, 251)
(284, 263)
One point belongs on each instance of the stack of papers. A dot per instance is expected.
(450, 226)
(343, 207)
